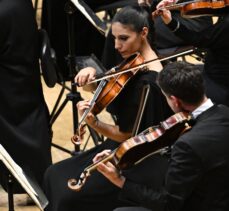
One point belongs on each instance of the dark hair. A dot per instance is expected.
(183, 80)
(136, 17)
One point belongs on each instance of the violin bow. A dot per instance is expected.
(113, 74)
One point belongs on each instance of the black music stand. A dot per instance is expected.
(74, 96)
(15, 175)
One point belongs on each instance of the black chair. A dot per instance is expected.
(143, 101)
(47, 60)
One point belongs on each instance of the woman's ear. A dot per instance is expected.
(144, 32)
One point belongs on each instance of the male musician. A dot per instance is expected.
(197, 176)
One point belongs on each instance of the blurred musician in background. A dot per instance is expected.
(215, 40)
(24, 116)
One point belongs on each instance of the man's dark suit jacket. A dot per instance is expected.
(198, 175)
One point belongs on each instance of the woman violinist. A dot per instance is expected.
(215, 40)
(130, 28)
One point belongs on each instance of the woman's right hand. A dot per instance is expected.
(85, 75)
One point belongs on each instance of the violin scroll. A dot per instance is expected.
(78, 137)
(75, 185)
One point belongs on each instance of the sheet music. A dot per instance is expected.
(90, 15)
(19, 175)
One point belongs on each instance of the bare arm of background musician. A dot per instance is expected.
(108, 130)
(164, 13)
(144, 2)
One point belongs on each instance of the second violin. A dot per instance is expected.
(152, 140)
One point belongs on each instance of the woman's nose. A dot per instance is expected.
(117, 45)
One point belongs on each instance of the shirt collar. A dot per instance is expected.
(203, 107)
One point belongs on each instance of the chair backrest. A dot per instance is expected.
(47, 60)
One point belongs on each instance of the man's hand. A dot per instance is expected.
(109, 170)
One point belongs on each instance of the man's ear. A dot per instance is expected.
(176, 101)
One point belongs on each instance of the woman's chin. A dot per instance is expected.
(125, 56)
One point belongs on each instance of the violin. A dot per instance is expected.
(151, 141)
(197, 8)
(108, 90)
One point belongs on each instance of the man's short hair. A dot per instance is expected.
(183, 80)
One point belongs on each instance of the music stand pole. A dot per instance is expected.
(10, 193)
(74, 95)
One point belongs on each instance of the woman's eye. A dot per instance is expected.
(124, 38)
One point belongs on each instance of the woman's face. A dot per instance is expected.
(127, 41)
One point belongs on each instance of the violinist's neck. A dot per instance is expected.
(149, 54)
